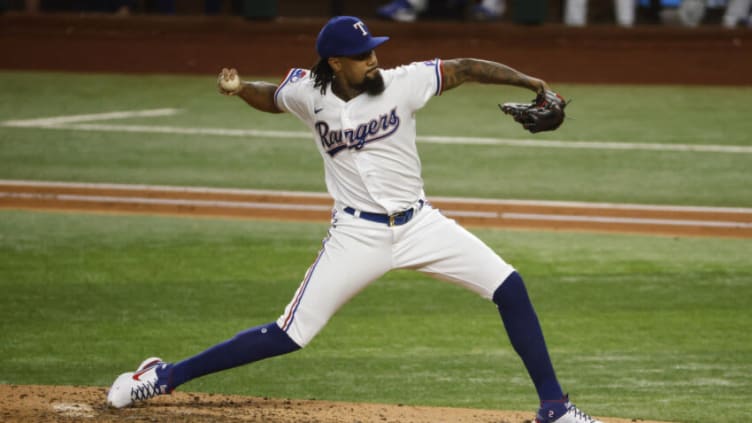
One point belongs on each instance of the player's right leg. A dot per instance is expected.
(158, 377)
(355, 253)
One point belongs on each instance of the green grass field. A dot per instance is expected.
(650, 115)
(638, 326)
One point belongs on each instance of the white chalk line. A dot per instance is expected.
(76, 122)
(624, 220)
(321, 208)
(587, 145)
(163, 188)
(325, 208)
(582, 204)
(73, 409)
(166, 201)
(320, 195)
(69, 119)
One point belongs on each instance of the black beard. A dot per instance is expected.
(373, 86)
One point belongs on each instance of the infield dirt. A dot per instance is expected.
(46, 404)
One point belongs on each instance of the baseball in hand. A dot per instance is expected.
(229, 80)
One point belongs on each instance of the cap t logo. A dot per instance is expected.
(361, 26)
(344, 36)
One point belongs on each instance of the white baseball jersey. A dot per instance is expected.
(368, 143)
(372, 165)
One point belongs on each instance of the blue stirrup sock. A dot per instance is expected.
(246, 347)
(269, 340)
(526, 336)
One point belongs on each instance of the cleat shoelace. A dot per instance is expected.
(145, 391)
(580, 414)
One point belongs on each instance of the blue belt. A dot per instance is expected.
(395, 219)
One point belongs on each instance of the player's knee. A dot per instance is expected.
(302, 335)
(270, 338)
(511, 290)
(285, 340)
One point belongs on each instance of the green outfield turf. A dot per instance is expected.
(638, 327)
(611, 114)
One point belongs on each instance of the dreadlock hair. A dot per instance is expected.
(323, 74)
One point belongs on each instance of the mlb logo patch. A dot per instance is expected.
(297, 74)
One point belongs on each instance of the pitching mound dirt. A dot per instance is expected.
(34, 403)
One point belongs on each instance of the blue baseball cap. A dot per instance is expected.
(346, 36)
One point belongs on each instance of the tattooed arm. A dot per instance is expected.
(458, 71)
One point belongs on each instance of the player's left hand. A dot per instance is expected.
(538, 85)
(544, 113)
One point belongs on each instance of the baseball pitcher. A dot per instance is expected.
(362, 120)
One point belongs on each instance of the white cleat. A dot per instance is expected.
(572, 414)
(140, 385)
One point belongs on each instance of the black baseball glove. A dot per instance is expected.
(545, 113)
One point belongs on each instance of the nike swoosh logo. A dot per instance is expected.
(317, 110)
(137, 375)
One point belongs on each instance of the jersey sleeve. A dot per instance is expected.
(291, 94)
(424, 80)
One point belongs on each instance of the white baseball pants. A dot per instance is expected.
(357, 252)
